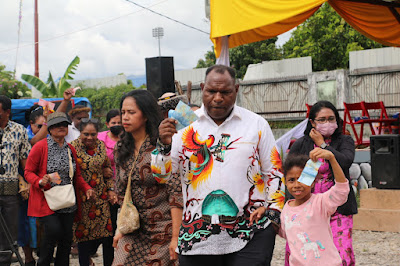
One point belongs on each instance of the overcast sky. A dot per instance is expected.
(119, 43)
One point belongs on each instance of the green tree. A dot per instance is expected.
(241, 56)
(11, 87)
(328, 39)
(104, 99)
(50, 88)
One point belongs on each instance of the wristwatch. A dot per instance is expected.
(323, 145)
(162, 148)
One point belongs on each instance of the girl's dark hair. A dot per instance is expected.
(150, 110)
(33, 113)
(111, 114)
(294, 160)
(90, 121)
(314, 111)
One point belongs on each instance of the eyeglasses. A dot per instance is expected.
(62, 124)
(89, 120)
(39, 126)
(323, 120)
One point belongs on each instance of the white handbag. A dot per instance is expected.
(60, 197)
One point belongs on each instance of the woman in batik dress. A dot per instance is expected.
(94, 228)
(159, 205)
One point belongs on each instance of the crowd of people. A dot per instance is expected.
(211, 193)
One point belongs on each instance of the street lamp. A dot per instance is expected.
(158, 33)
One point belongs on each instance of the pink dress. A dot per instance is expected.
(307, 228)
(103, 136)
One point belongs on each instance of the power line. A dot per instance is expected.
(162, 15)
(80, 30)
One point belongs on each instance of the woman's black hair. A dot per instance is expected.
(111, 114)
(294, 160)
(150, 110)
(33, 113)
(314, 111)
(83, 124)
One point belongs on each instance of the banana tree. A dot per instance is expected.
(50, 88)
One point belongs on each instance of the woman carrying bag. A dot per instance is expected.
(55, 177)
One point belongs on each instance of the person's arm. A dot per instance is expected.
(270, 165)
(345, 152)
(318, 153)
(43, 131)
(176, 215)
(64, 103)
(164, 157)
(337, 195)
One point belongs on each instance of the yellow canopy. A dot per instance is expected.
(247, 21)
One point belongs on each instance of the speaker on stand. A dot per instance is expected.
(160, 76)
(385, 161)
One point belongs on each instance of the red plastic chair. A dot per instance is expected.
(348, 120)
(383, 116)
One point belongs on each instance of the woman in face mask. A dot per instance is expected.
(324, 131)
(110, 138)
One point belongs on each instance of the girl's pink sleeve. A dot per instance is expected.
(335, 197)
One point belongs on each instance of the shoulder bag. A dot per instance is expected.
(128, 219)
(60, 197)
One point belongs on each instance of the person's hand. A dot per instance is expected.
(107, 172)
(316, 137)
(166, 130)
(90, 195)
(116, 238)
(112, 197)
(318, 153)
(257, 215)
(68, 94)
(45, 113)
(172, 247)
(45, 180)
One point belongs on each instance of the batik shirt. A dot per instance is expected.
(226, 172)
(15, 147)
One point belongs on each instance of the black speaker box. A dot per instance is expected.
(160, 76)
(385, 161)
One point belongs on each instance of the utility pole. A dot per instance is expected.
(158, 33)
(36, 39)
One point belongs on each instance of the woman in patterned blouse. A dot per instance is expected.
(95, 227)
(50, 156)
(159, 205)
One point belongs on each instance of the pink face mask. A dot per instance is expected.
(326, 129)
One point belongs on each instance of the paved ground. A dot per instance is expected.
(371, 248)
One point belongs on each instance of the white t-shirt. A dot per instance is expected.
(73, 133)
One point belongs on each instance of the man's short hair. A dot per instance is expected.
(5, 102)
(221, 69)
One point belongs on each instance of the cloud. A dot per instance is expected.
(118, 46)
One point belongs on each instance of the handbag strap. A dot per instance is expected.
(71, 166)
(128, 187)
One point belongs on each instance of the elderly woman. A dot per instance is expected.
(94, 228)
(49, 156)
(159, 205)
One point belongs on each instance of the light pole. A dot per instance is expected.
(158, 33)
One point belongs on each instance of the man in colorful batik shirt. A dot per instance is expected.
(228, 166)
(14, 149)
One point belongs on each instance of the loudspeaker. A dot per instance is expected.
(385, 161)
(160, 76)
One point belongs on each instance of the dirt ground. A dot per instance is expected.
(371, 248)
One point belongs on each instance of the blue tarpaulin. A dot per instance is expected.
(19, 107)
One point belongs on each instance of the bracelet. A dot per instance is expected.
(162, 148)
(44, 124)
